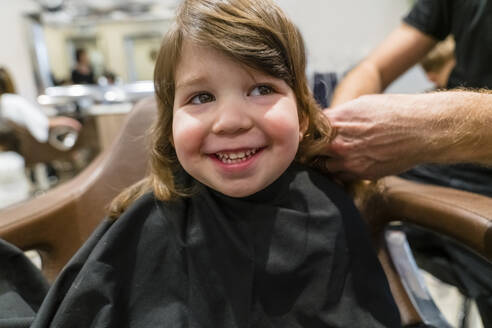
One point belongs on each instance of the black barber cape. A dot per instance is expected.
(296, 254)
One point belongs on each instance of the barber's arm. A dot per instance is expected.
(379, 135)
(402, 49)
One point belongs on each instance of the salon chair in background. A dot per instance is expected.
(57, 223)
(34, 151)
(65, 154)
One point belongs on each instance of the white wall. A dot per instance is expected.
(338, 33)
(14, 54)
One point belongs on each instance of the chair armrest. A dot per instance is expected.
(464, 216)
(49, 222)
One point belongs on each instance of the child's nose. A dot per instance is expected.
(232, 117)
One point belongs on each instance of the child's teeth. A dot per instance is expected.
(230, 158)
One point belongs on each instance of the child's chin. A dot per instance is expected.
(238, 193)
(238, 188)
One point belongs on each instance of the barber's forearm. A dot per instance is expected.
(363, 79)
(463, 129)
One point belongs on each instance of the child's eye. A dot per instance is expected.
(261, 90)
(202, 98)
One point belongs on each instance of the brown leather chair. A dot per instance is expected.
(57, 223)
(464, 217)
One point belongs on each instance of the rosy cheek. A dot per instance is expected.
(283, 123)
(188, 133)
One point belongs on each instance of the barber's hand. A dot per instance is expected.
(64, 132)
(376, 135)
(64, 121)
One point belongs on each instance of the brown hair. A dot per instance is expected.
(257, 34)
(6, 82)
(8, 141)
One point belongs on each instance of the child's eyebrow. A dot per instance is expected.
(191, 81)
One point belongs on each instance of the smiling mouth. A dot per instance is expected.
(235, 157)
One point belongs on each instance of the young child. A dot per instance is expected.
(230, 229)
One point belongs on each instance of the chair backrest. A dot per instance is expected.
(58, 222)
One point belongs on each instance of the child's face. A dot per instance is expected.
(235, 129)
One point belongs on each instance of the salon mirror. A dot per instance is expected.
(120, 40)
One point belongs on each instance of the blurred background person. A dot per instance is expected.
(83, 72)
(15, 110)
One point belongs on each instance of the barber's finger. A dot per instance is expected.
(331, 117)
(327, 110)
(329, 153)
(335, 112)
(338, 148)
